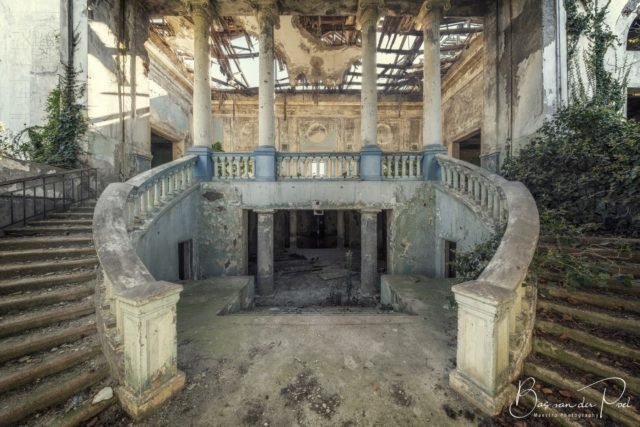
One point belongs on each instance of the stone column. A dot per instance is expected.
(265, 252)
(202, 136)
(428, 21)
(293, 229)
(369, 252)
(267, 16)
(340, 229)
(371, 155)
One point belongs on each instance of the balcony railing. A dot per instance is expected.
(402, 166)
(321, 166)
(234, 166)
(144, 309)
(495, 311)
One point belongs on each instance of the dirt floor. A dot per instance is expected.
(311, 369)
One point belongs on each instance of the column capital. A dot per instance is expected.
(427, 7)
(368, 11)
(267, 12)
(203, 8)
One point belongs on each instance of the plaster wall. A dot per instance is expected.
(320, 123)
(29, 60)
(157, 243)
(118, 142)
(171, 92)
(462, 96)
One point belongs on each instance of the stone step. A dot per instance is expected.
(45, 297)
(595, 318)
(54, 390)
(17, 347)
(66, 221)
(45, 254)
(48, 231)
(82, 209)
(40, 282)
(41, 318)
(589, 340)
(621, 415)
(83, 412)
(37, 242)
(595, 299)
(33, 268)
(11, 378)
(70, 215)
(576, 360)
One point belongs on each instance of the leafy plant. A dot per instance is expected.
(469, 264)
(58, 141)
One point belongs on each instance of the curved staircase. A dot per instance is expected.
(51, 362)
(586, 335)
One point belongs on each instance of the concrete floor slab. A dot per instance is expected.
(313, 369)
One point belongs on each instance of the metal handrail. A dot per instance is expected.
(45, 193)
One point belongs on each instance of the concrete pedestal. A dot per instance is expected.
(265, 253)
(369, 252)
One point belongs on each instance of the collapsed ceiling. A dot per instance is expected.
(315, 53)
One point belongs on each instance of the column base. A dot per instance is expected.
(371, 163)
(491, 161)
(265, 163)
(265, 286)
(204, 166)
(489, 404)
(430, 167)
(140, 406)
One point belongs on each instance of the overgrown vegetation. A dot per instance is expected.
(469, 264)
(58, 141)
(583, 166)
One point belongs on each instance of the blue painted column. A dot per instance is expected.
(371, 155)
(201, 14)
(265, 154)
(428, 21)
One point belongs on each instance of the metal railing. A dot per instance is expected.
(26, 198)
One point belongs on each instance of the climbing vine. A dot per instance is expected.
(596, 84)
(58, 141)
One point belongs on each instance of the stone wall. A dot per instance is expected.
(317, 123)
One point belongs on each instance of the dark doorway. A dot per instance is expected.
(468, 149)
(161, 150)
(633, 104)
(185, 260)
(449, 259)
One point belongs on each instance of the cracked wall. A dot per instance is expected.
(319, 123)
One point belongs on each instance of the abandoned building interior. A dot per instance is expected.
(272, 199)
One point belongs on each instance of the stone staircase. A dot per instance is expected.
(586, 335)
(51, 362)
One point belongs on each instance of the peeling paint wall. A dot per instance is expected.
(171, 93)
(524, 77)
(222, 231)
(118, 90)
(317, 124)
(462, 96)
(419, 217)
(157, 244)
(29, 60)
